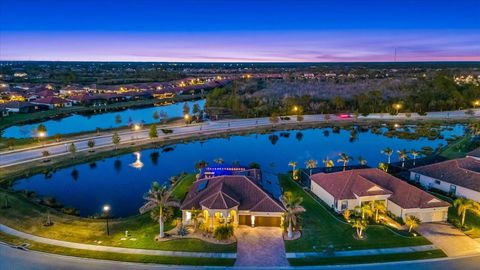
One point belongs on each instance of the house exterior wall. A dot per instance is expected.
(323, 194)
(429, 182)
(435, 214)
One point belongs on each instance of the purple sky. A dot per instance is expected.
(243, 46)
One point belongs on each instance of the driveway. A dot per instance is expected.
(260, 246)
(448, 238)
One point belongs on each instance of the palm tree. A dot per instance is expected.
(360, 225)
(311, 164)
(293, 164)
(198, 219)
(388, 152)
(412, 222)
(328, 163)
(199, 165)
(378, 207)
(293, 208)
(403, 155)
(414, 153)
(383, 166)
(219, 161)
(362, 161)
(159, 198)
(463, 205)
(365, 210)
(344, 158)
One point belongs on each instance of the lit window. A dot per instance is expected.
(188, 216)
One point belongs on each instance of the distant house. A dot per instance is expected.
(53, 102)
(23, 107)
(4, 112)
(458, 177)
(232, 199)
(348, 189)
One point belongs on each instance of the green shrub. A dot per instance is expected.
(223, 232)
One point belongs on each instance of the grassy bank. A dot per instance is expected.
(321, 229)
(310, 261)
(115, 256)
(28, 216)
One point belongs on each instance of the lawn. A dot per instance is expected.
(27, 216)
(459, 148)
(116, 256)
(320, 229)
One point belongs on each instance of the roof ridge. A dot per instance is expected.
(265, 193)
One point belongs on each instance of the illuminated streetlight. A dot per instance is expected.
(187, 118)
(42, 134)
(397, 107)
(476, 103)
(295, 108)
(106, 211)
(136, 127)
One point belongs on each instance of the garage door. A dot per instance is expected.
(260, 221)
(434, 216)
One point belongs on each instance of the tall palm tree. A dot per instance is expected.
(412, 222)
(344, 158)
(403, 155)
(365, 210)
(378, 207)
(362, 161)
(414, 153)
(219, 161)
(158, 199)
(293, 164)
(328, 163)
(293, 208)
(463, 205)
(360, 225)
(388, 152)
(311, 164)
(198, 219)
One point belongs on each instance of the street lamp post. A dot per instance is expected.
(187, 118)
(41, 135)
(106, 211)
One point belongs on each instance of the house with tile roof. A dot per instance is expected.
(53, 102)
(232, 199)
(348, 189)
(458, 177)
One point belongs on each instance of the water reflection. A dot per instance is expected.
(138, 164)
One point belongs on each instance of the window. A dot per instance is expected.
(417, 177)
(344, 205)
(437, 182)
(453, 189)
(188, 216)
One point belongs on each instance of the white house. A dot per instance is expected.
(459, 177)
(348, 189)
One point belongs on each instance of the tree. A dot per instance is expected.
(41, 128)
(311, 164)
(156, 116)
(365, 210)
(91, 144)
(116, 140)
(158, 199)
(186, 109)
(196, 110)
(412, 222)
(383, 166)
(463, 205)
(293, 164)
(414, 154)
(72, 149)
(274, 118)
(388, 152)
(293, 208)
(199, 165)
(328, 163)
(362, 161)
(198, 219)
(118, 119)
(344, 158)
(379, 208)
(346, 214)
(403, 155)
(219, 161)
(360, 225)
(46, 154)
(153, 132)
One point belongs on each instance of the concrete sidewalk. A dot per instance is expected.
(66, 244)
(362, 252)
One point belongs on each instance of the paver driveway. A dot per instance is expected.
(448, 238)
(260, 246)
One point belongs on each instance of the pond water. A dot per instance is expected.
(80, 123)
(116, 181)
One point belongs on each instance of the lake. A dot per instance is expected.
(116, 181)
(80, 123)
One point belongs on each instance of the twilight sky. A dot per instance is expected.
(240, 31)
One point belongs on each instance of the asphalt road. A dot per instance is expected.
(9, 158)
(14, 259)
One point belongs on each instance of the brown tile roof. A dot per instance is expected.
(474, 153)
(464, 172)
(50, 100)
(367, 182)
(225, 192)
